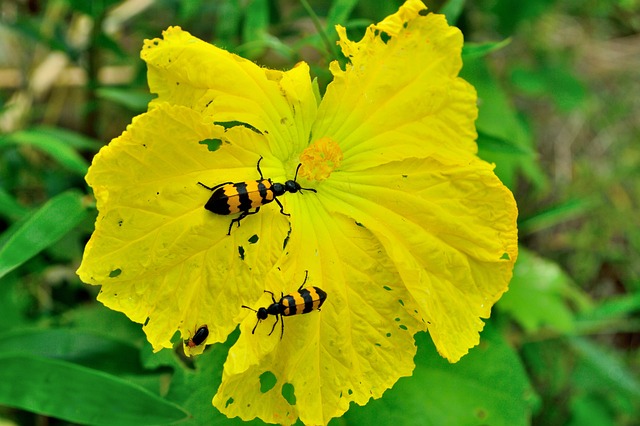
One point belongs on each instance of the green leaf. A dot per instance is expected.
(193, 389)
(600, 369)
(256, 24)
(132, 100)
(554, 79)
(476, 50)
(498, 120)
(9, 207)
(85, 348)
(75, 140)
(50, 143)
(78, 394)
(488, 386)
(14, 302)
(555, 215)
(38, 231)
(339, 13)
(541, 294)
(228, 24)
(452, 10)
(590, 410)
(618, 307)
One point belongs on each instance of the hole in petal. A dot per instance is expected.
(286, 239)
(288, 393)
(254, 239)
(386, 287)
(402, 326)
(229, 124)
(267, 381)
(228, 403)
(505, 256)
(212, 144)
(241, 252)
(115, 273)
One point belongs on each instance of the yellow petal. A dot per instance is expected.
(184, 70)
(400, 97)
(355, 348)
(160, 257)
(450, 230)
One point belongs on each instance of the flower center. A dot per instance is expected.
(320, 159)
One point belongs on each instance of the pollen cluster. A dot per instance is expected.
(320, 159)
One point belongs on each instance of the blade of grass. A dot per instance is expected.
(41, 229)
(9, 207)
(78, 394)
(331, 49)
(563, 212)
(475, 50)
(452, 10)
(50, 143)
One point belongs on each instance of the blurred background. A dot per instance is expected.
(559, 97)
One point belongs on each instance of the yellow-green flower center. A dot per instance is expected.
(320, 159)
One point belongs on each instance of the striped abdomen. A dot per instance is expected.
(303, 301)
(240, 197)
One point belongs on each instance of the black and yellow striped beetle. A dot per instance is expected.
(303, 301)
(240, 197)
(198, 337)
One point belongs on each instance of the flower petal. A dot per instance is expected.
(400, 97)
(355, 348)
(184, 70)
(160, 257)
(450, 230)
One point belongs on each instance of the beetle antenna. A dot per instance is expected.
(295, 179)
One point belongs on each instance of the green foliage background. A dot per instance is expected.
(559, 115)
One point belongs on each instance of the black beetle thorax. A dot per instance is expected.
(278, 189)
(275, 309)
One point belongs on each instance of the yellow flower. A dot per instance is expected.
(408, 230)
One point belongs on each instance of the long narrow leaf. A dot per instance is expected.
(52, 144)
(78, 394)
(47, 225)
